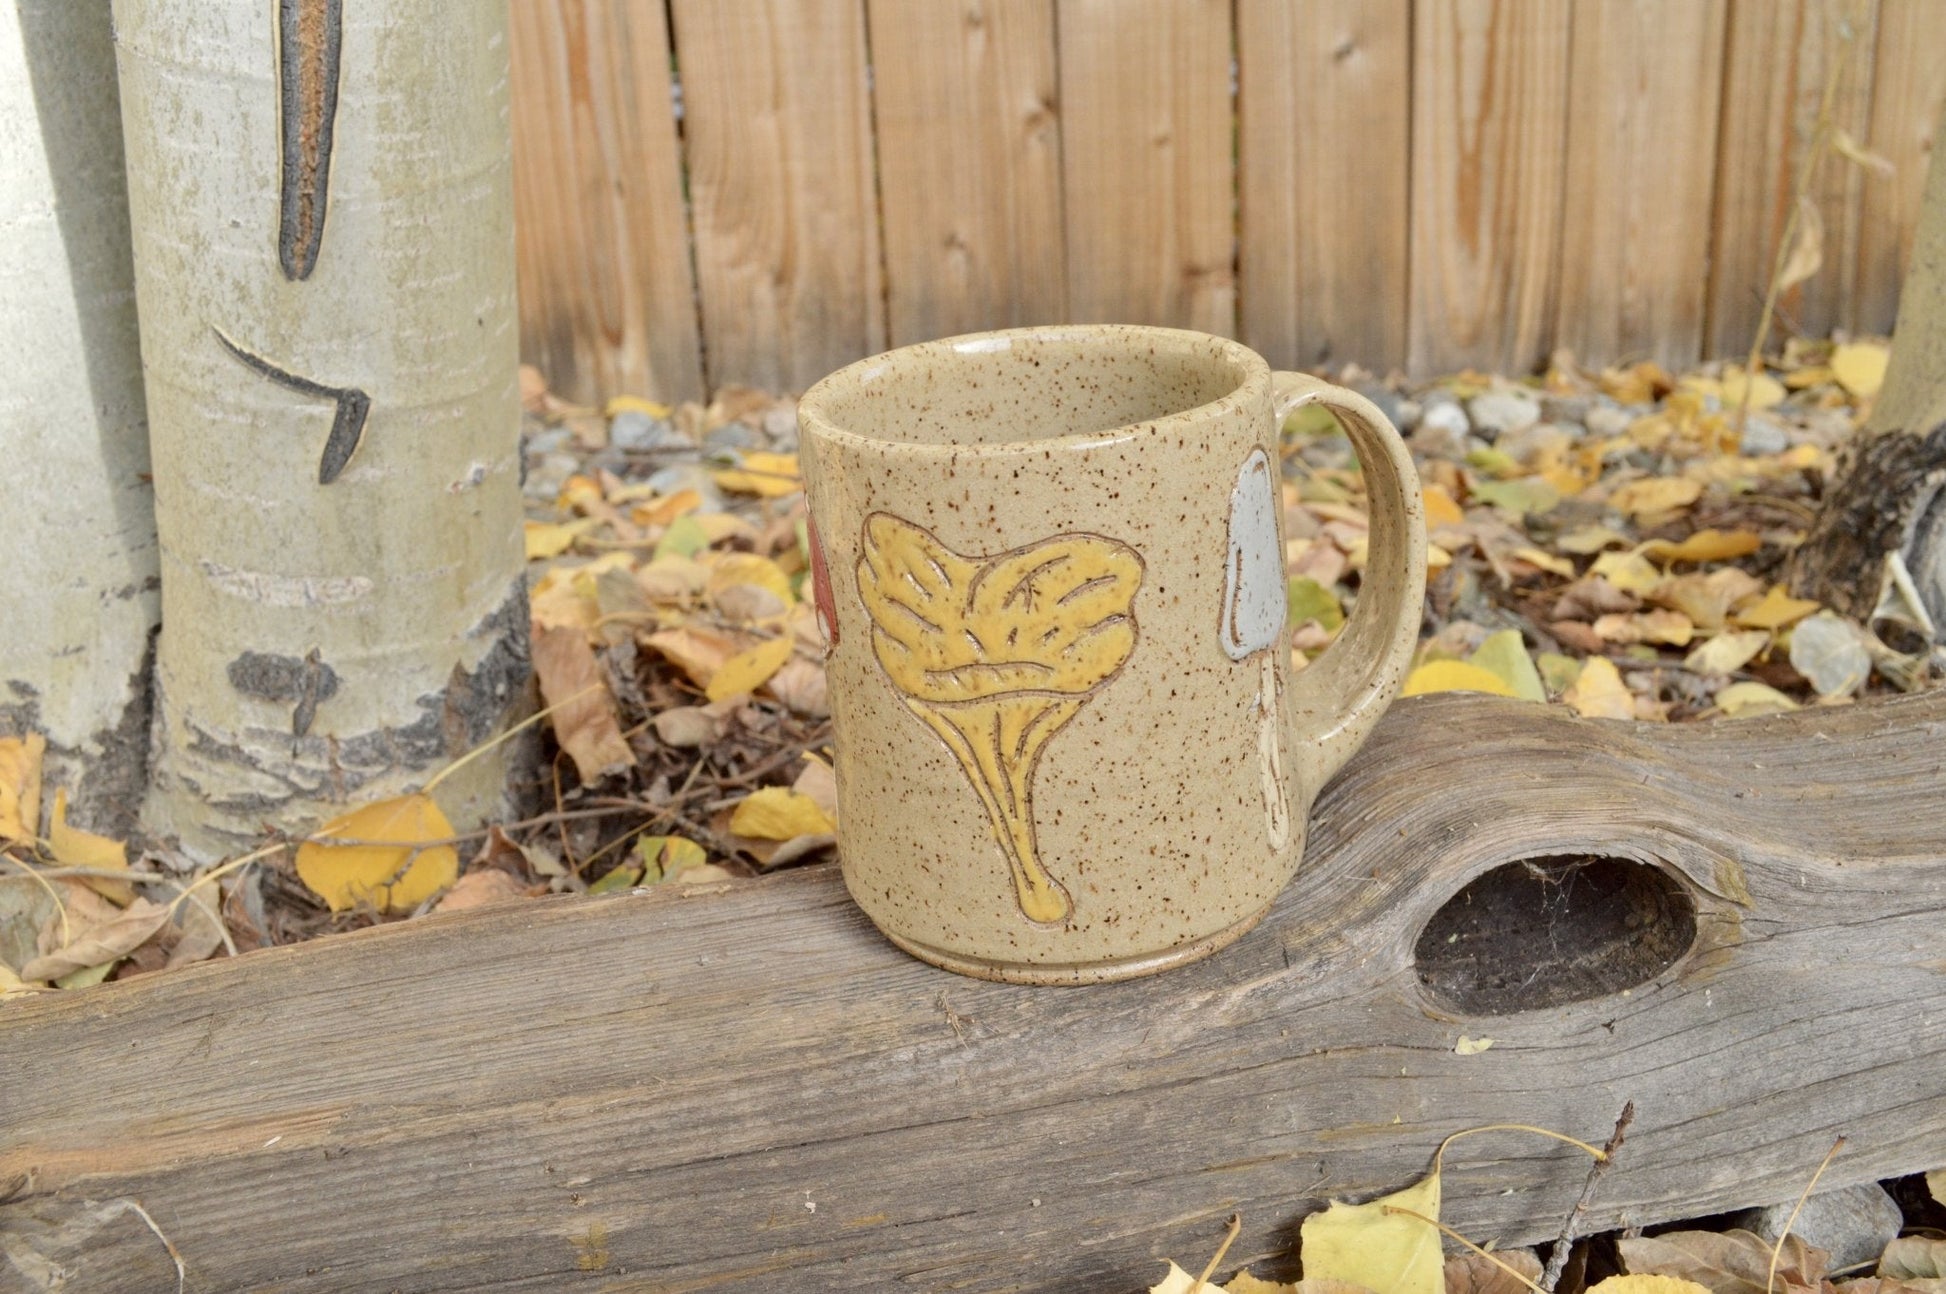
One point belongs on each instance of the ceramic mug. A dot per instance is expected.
(1049, 569)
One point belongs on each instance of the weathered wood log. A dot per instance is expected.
(743, 1085)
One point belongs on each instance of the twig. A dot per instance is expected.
(1236, 1225)
(1770, 1280)
(1557, 1259)
(1445, 1230)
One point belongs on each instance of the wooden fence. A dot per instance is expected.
(759, 191)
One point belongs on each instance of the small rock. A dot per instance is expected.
(1442, 430)
(547, 474)
(1524, 444)
(1495, 413)
(733, 435)
(678, 477)
(546, 440)
(635, 432)
(1384, 397)
(1409, 411)
(1825, 428)
(1609, 420)
(780, 425)
(1566, 408)
(1763, 434)
(1853, 1225)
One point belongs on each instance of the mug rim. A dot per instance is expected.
(1254, 377)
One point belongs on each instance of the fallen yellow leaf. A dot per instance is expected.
(1504, 655)
(1369, 1245)
(731, 569)
(73, 847)
(1777, 609)
(1589, 539)
(1765, 390)
(395, 876)
(1454, 676)
(661, 512)
(776, 813)
(750, 669)
(1704, 546)
(1599, 693)
(1657, 626)
(1471, 1046)
(1441, 508)
(1655, 494)
(1727, 652)
(1548, 562)
(1746, 700)
(547, 539)
(697, 652)
(20, 787)
(1178, 1281)
(634, 404)
(1859, 367)
(1645, 1283)
(768, 475)
(1629, 572)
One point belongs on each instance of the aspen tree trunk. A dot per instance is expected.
(321, 200)
(78, 573)
(1889, 497)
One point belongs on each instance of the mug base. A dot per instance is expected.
(1097, 972)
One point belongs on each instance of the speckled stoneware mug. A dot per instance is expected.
(1049, 569)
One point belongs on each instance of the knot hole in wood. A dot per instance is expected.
(1545, 931)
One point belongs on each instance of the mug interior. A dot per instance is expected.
(1030, 385)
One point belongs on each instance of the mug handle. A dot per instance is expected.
(1339, 696)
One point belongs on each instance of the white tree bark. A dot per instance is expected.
(321, 200)
(78, 582)
(1882, 525)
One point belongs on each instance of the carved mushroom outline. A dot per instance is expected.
(1254, 610)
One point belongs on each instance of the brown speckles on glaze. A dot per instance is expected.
(1155, 797)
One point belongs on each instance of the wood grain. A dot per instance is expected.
(1146, 162)
(1489, 138)
(1641, 166)
(1324, 110)
(607, 298)
(1777, 54)
(744, 1085)
(1908, 101)
(969, 163)
(778, 137)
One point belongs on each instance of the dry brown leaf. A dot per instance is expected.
(820, 785)
(1726, 1262)
(201, 933)
(1807, 250)
(688, 726)
(480, 889)
(1471, 1273)
(1599, 692)
(1914, 1258)
(697, 652)
(585, 721)
(100, 943)
(800, 685)
(1590, 598)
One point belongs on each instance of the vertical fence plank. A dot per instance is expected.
(1489, 135)
(1908, 95)
(1324, 113)
(969, 159)
(1776, 58)
(607, 301)
(1146, 162)
(1647, 77)
(778, 133)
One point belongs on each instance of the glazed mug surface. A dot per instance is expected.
(1049, 570)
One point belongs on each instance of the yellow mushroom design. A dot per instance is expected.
(995, 654)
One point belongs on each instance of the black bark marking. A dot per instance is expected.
(347, 428)
(270, 677)
(1884, 483)
(310, 42)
